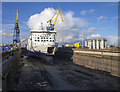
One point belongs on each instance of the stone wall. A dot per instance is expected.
(98, 60)
(9, 68)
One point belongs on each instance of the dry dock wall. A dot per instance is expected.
(103, 60)
(10, 66)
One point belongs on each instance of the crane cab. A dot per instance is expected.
(50, 27)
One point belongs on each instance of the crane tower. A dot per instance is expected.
(16, 34)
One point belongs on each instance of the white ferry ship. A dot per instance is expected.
(42, 41)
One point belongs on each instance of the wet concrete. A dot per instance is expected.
(61, 75)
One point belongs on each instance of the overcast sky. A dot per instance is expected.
(90, 19)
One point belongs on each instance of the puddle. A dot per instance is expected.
(25, 57)
(25, 65)
(42, 84)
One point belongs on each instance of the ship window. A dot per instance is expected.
(38, 37)
(41, 37)
(50, 37)
(44, 37)
(50, 40)
(38, 40)
(35, 40)
(47, 40)
(53, 40)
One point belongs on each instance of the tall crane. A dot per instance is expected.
(51, 27)
(16, 34)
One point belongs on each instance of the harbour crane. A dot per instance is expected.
(51, 27)
(16, 35)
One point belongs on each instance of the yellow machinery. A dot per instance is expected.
(77, 45)
(51, 27)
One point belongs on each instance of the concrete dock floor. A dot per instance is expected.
(61, 75)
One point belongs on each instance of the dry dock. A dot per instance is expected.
(62, 74)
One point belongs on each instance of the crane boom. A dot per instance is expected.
(16, 21)
(22, 41)
(55, 19)
(15, 46)
(52, 17)
(58, 10)
(61, 17)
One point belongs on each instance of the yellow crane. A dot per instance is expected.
(51, 27)
(16, 35)
(16, 21)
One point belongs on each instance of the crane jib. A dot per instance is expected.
(51, 26)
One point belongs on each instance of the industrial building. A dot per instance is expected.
(96, 43)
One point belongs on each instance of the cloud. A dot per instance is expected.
(94, 36)
(8, 30)
(5, 33)
(35, 20)
(92, 28)
(70, 29)
(112, 40)
(91, 11)
(113, 19)
(100, 18)
(7, 26)
(83, 12)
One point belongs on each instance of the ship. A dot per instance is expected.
(42, 43)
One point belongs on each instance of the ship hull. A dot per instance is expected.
(42, 56)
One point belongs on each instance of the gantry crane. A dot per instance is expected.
(51, 26)
(16, 35)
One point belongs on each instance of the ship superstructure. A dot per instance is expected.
(42, 41)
